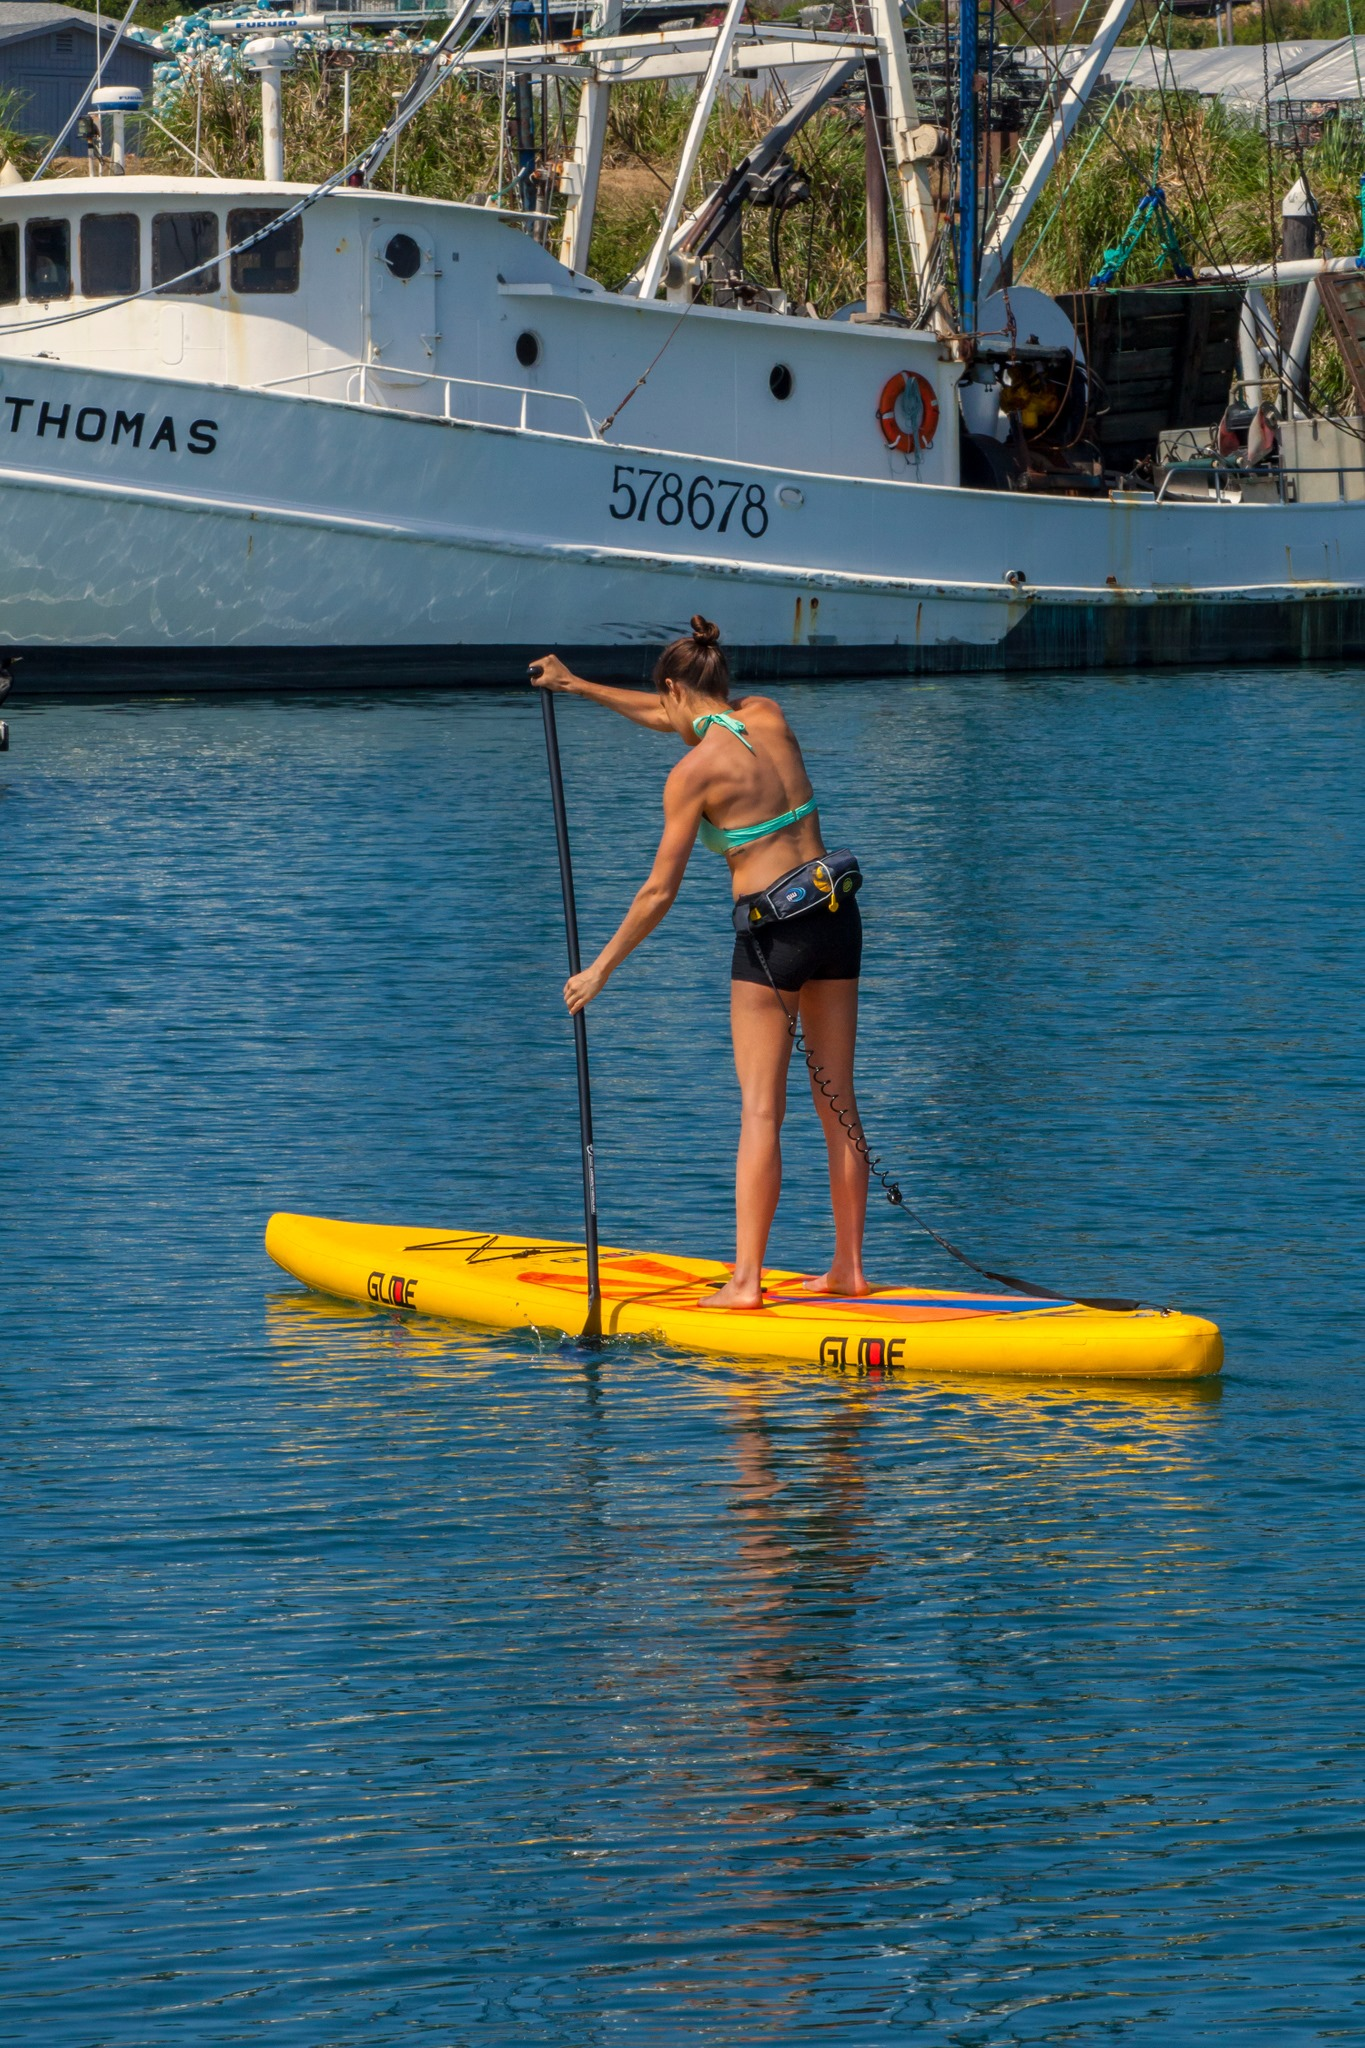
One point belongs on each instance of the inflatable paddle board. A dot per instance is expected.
(517, 1283)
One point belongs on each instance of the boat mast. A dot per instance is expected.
(967, 165)
(581, 175)
(701, 114)
(917, 205)
(876, 185)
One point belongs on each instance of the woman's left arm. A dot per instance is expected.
(654, 899)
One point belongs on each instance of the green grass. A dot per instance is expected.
(1222, 184)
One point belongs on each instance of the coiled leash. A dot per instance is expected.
(824, 885)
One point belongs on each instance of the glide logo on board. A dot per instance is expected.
(871, 1354)
(92, 423)
(392, 1287)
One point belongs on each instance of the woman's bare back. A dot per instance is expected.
(743, 788)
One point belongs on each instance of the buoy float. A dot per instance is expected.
(907, 412)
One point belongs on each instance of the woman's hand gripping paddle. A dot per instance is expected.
(592, 1328)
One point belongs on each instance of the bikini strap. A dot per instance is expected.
(699, 726)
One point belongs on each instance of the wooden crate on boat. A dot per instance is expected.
(1343, 301)
(1159, 357)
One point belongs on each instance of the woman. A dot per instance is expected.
(743, 785)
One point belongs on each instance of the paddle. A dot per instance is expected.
(592, 1328)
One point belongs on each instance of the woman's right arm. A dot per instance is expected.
(683, 798)
(641, 707)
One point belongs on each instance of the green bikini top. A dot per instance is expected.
(729, 839)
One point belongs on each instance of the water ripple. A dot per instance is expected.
(375, 1677)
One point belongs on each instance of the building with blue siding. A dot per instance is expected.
(48, 55)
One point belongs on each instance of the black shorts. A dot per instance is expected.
(822, 945)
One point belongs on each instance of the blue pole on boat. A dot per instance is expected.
(967, 151)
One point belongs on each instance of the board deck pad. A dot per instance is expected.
(510, 1282)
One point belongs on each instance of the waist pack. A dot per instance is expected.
(821, 884)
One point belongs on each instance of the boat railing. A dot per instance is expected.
(1227, 483)
(1219, 475)
(387, 388)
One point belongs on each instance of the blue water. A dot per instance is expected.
(371, 1680)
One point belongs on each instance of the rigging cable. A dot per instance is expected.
(1097, 137)
(643, 378)
(1045, 104)
(1270, 185)
(84, 100)
(893, 204)
(1355, 55)
(1058, 77)
(987, 178)
(1191, 174)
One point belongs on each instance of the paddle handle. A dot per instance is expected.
(593, 1326)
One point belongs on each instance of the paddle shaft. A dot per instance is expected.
(593, 1326)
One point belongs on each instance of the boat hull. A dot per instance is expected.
(318, 543)
(1054, 638)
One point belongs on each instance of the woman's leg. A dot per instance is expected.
(758, 1024)
(829, 1022)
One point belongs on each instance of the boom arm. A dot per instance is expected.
(704, 227)
(720, 56)
(1005, 232)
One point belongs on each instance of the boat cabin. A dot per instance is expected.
(426, 306)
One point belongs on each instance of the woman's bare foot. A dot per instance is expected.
(832, 1283)
(734, 1294)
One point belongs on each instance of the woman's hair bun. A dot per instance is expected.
(696, 662)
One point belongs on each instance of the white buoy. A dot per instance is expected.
(116, 102)
(272, 56)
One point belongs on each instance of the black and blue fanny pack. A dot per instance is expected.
(822, 884)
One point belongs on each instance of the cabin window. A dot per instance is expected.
(268, 266)
(9, 265)
(181, 241)
(110, 262)
(47, 258)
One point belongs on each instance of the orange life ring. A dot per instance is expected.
(908, 427)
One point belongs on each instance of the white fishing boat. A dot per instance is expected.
(263, 433)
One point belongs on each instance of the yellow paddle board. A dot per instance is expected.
(517, 1283)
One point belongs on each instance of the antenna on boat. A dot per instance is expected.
(272, 56)
(592, 1327)
(116, 103)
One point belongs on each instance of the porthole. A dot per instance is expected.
(528, 350)
(781, 381)
(403, 256)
